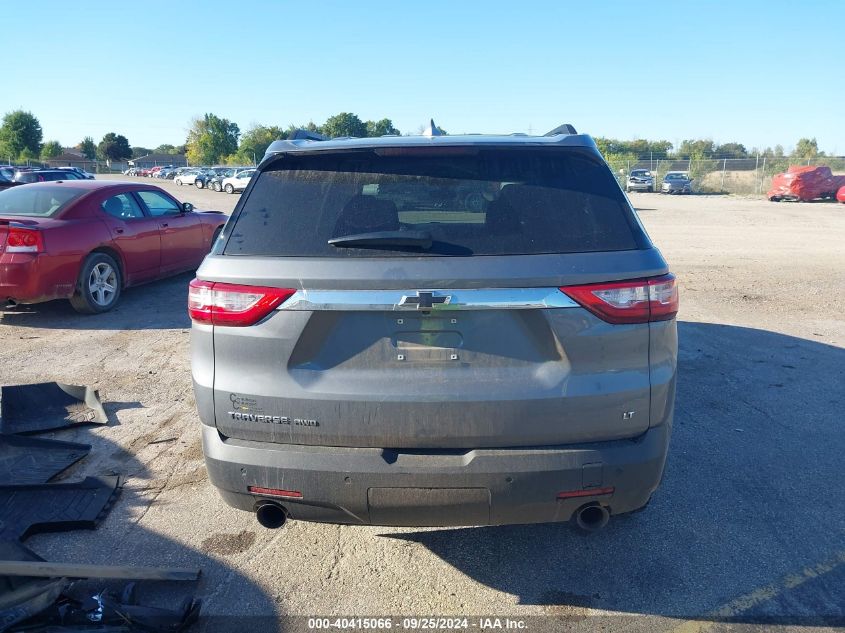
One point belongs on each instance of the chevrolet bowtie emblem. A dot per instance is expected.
(424, 300)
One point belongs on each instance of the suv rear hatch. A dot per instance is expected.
(420, 303)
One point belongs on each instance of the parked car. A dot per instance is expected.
(805, 183)
(216, 182)
(358, 359)
(186, 177)
(840, 195)
(167, 173)
(7, 175)
(676, 182)
(45, 175)
(143, 172)
(81, 172)
(204, 177)
(237, 182)
(87, 240)
(640, 180)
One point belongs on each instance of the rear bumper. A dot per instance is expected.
(21, 280)
(640, 186)
(371, 486)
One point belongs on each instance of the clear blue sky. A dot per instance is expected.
(757, 72)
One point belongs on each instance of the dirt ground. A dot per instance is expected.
(747, 526)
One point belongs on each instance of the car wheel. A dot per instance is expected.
(199, 184)
(229, 188)
(99, 284)
(178, 182)
(215, 186)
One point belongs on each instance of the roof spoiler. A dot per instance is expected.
(566, 128)
(306, 134)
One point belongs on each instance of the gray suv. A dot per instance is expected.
(434, 331)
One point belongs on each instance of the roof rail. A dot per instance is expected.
(306, 134)
(566, 128)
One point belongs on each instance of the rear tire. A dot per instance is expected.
(229, 189)
(178, 182)
(199, 184)
(99, 284)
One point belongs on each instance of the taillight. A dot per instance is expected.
(634, 301)
(232, 304)
(24, 241)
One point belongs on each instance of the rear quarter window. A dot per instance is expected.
(471, 202)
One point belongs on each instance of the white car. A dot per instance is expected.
(238, 182)
(187, 177)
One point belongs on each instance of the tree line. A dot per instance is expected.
(214, 140)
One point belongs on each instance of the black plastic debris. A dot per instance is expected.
(22, 597)
(30, 460)
(48, 406)
(28, 510)
(107, 611)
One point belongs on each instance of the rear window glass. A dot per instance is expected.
(36, 201)
(470, 202)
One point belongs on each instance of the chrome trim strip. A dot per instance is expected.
(453, 299)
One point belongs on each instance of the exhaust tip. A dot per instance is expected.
(592, 518)
(271, 515)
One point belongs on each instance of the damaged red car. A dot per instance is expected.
(86, 240)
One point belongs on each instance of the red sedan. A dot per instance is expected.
(86, 240)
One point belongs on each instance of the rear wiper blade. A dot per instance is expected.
(376, 239)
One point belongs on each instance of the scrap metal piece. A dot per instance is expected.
(46, 569)
(48, 406)
(28, 510)
(30, 460)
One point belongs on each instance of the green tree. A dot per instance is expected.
(139, 151)
(731, 150)
(165, 148)
(256, 140)
(210, 139)
(20, 135)
(380, 128)
(51, 149)
(702, 148)
(88, 148)
(639, 148)
(344, 124)
(114, 147)
(806, 148)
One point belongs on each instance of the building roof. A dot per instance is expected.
(159, 158)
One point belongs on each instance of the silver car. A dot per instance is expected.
(640, 180)
(433, 331)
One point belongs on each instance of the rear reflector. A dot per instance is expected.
(24, 241)
(590, 492)
(633, 301)
(232, 304)
(275, 492)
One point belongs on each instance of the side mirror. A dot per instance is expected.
(187, 207)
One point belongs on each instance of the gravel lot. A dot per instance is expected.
(748, 525)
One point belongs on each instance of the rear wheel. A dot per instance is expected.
(230, 189)
(99, 284)
(178, 182)
(199, 183)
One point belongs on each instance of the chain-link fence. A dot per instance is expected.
(722, 175)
